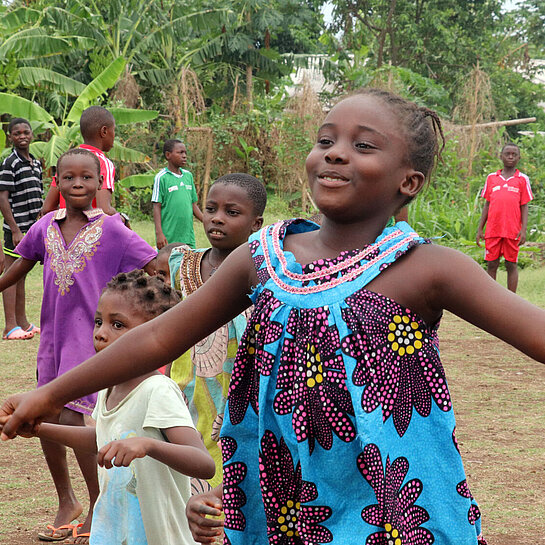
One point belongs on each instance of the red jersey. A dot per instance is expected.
(505, 198)
(107, 169)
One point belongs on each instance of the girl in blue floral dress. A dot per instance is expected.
(339, 426)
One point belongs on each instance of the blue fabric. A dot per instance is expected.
(340, 427)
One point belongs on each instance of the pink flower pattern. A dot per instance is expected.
(233, 497)
(395, 510)
(312, 378)
(397, 359)
(284, 493)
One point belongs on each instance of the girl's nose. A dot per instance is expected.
(218, 219)
(336, 154)
(99, 335)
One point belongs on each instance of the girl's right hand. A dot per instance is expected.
(204, 529)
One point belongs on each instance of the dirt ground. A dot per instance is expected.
(499, 399)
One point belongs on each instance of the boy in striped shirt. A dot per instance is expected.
(21, 194)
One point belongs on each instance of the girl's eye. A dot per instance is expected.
(325, 141)
(98, 322)
(209, 209)
(233, 212)
(364, 145)
(118, 325)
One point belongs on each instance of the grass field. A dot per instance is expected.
(499, 399)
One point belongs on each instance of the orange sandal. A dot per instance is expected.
(72, 540)
(43, 536)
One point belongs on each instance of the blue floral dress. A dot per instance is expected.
(339, 424)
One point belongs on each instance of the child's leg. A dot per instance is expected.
(9, 298)
(88, 466)
(512, 275)
(20, 304)
(69, 507)
(492, 267)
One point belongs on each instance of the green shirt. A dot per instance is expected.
(176, 193)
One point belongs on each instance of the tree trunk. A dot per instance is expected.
(249, 86)
(385, 30)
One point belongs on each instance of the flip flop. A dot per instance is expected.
(43, 536)
(72, 539)
(33, 329)
(17, 334)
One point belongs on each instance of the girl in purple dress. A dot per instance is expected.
(339, 424)
(81, 249)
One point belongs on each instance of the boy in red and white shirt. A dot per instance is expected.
(505, 213)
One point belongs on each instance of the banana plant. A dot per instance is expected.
(65, 133)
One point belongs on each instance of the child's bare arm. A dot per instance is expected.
(21, 267)
(185, 452)
(461, 286)
(521, 237)
(159, 235)
(197, 212)
(76, 437)
(147, 347)
(482, 222)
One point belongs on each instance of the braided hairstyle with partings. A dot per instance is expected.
(149, 294)
(420, 125)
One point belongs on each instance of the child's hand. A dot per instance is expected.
(24, 411)
(479, 237)
(204, 530)
(123, 452)
(161, 241)
(521, 237)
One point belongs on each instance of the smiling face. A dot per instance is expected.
(21, 136)
(229, 216)
(178, 156)
(115, 315)
(78, 180)
(358, 167)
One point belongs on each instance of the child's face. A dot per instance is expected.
(510, 156)
(229, 217)
(115, 315)
(21, 136)
(161, 267)
(178, 156)
(357, 168)
(108, 137)
(78, 181)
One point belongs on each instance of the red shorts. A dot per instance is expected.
(497, 247)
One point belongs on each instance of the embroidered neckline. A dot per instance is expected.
(357, 268)
(60, 214)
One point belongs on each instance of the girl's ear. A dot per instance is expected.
(412, 184)
(258, 223)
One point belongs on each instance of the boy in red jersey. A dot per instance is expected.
(505, 214)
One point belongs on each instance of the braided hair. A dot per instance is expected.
(421, 126)
(149, 294)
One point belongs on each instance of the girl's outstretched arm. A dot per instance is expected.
(21, 267)
(76, 437)
(145, 348)
(460, 285)
(185, 452)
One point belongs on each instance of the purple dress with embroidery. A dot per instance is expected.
(339, 425)
(73, 279)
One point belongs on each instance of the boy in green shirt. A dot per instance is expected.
(174, 198)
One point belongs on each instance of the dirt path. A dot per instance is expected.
(499, 398)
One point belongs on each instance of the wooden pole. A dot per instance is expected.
(490, 124)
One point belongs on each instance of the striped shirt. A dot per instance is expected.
(22, 180)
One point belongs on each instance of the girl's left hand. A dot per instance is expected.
(122, 452)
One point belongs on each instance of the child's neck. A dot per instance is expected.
(507, 172)
(119, 392)
(347, 236)
(212, 260)
(174, 169)
(24, 152)
(75, 219)
(94, 142)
